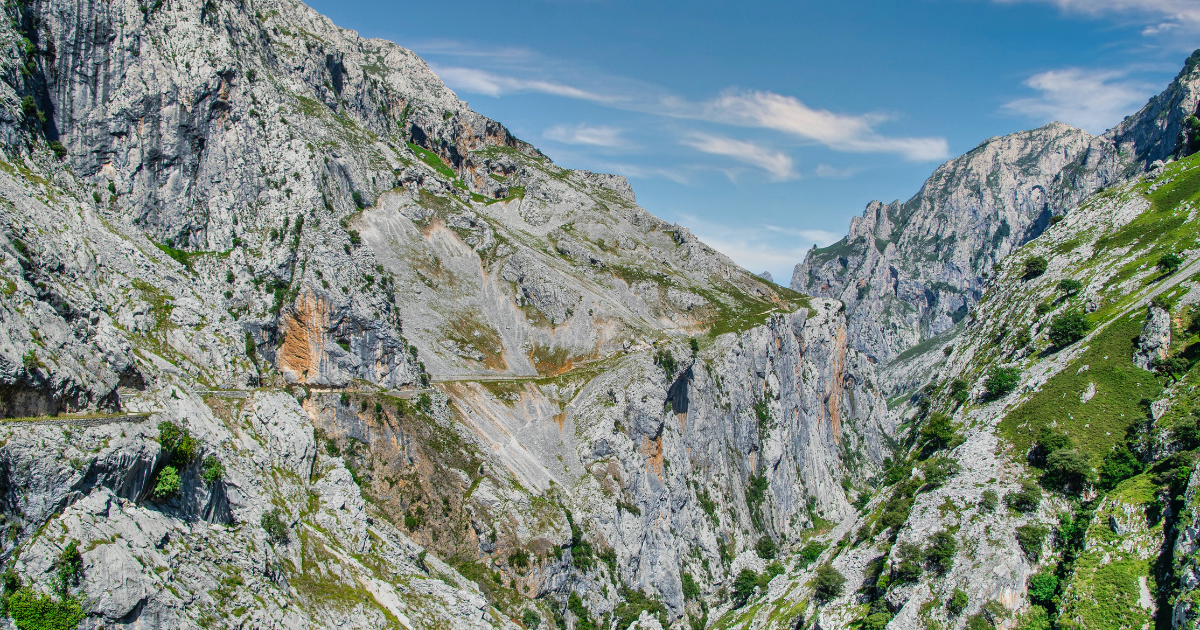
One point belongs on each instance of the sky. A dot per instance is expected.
(765, 126)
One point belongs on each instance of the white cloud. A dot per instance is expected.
(1091, 99)
(483, 82)
(776, 163)
(837, 131)
(599, 135)
(832, 172)
(822, 238)
(1169, 13)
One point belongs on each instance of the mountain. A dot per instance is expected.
(294, 338)
(909, 272)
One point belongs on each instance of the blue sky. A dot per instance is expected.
(765, 126)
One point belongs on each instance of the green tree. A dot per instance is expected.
(1035, 618)
(938, 433)
(1070, 286)
(745, 585)
(272, 523)
(1042, 587)
(1031, 538)
(211, 470)
(691, 590)
(960, 390)
(531, 619)
(987, 502)
(1068, 328)
(828, 583)
(1000, 381)
(36, 611)
(1119, 465)
(1173, 367)
(1027, 499)
(1034, 267)
(909, 568)
(1169, 263)
(939, 553)
(1067, 469)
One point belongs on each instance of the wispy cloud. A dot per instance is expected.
(776, 163)
(1091, 99)
(598, 135)
(491, 84)
(1165, 14)
(833, 172)
(822, 238)
(842, 132)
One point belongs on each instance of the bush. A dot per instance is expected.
(1026, 500)
(59, 150)
(1031, 538)
(1169, 263)
(939, 554)
(1034, 267)
(531, 619)
(766, 548)
(272, 523)
(1069, 286)
(978, 621)
(909, 568)
(1000, 381)
(70, 568)
(1035, 618)
(168, 483)
(939, 433)
(957, 602)
(811, 552)
(960, 390)
(1068, 328)
(1042, 587)
(1173, 367)
(1068, 470)
(1119, 465)
(519, 559)
(35, 611)
(877, 621)
(987, 502)
(178, 441)
(828, 584)
(665, 360)
(937, 471)
(1043, 307)
(211, 470)
(691, 590)
(744, 587)
(1049, 441)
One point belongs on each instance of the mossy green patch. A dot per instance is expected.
(1102, 422)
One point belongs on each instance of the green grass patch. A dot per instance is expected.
(432, 160)
(1120, 385)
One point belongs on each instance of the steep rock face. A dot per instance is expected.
(910, 271)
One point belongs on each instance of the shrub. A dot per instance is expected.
(939, 554)
(59, 150)
(978, 621)
(1023, 338)
(36, 611)
(811, 552)
(211, 470)
(1031, 538)
(1173, 367)
(959, 391)
(665, 360)
(939, 433)
(178, 441)
(519, 559)
(691, 590)
(766, 548)
(1067, 469)
(744, 587)
(987, 502)
(530, 619)
(828, 584)
(1068, 328)
(70, 568)
(168, 483)
(1169, 263)
(1069, 286)
(1042, 587)
(1119, 465)
(909, 568)
(1000, 381)
(1035, 618)
(1049, 441)
(1026, 500)
(1043, 307)
(877, 621)
(272, 523)
(957, 602)
(937, 471)
(1034, 267)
